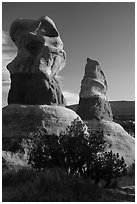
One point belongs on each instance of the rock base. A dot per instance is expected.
(35, 88)
(94, 108)
(19, 121)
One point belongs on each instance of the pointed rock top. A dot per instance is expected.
(93, 62)
(94, 80)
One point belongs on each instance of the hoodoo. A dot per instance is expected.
(35, 98)
(95, 110)
(40, 56)
(93, 102)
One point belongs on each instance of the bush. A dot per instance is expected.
(77, 151)
(107, 166)
(44, 151)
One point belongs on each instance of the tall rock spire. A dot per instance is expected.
(93, 103)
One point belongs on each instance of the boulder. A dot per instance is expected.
(93, 102)
(40, 56)
(117, 139)
(19, 121)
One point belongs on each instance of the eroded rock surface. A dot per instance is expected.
(19, 121)
(93, 103)
(40, 56)
(116, 138)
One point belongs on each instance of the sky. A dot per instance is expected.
(102, 31)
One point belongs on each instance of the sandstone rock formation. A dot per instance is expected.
(93, 103)
(40, 56)
(35, 95)
(19, 121)
(117, 139)
(95, 110)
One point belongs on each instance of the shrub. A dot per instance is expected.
(44, 151)
(107, 166)
(74, 147)
(77, 151)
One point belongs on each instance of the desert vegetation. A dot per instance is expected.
(68, 167)
(77, 151)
